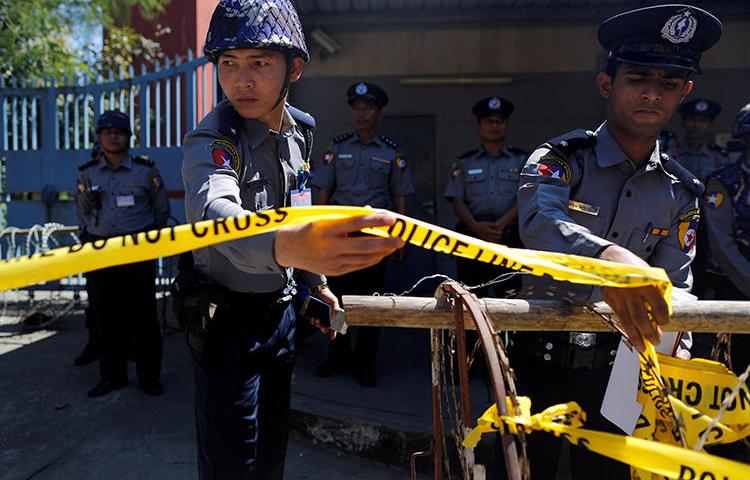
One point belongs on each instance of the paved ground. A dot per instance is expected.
(49, 429)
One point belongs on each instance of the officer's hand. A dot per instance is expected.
(326, 246)
(488, 231)
(640, 309)
(88, 201)
(327, 296)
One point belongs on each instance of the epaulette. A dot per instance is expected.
(342, 138)
(716, 148)
(517, 151)
(88, 164)
(573, 141)
(470, 153)
(301, 117)
(682, 174)
(230, 122)
(389, 142)
(144, 161)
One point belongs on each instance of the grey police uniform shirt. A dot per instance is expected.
(719, 212)
(487, 184)
(701, 163)
(363, 173)
(596, 197)
(220, 182)
(132, 195)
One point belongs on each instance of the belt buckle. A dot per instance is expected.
(582, 340)
(581, 358)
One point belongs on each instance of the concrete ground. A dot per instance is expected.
(49, 429)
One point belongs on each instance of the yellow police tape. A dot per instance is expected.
(59, 263)
(657, 458)
(697, 389)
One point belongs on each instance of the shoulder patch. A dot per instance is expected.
(553, 167)
(470, 153)
(144, 161)
(682, 174)
(573, 141)
(328, 156)
(400, 160)
(455, 170)
(389, 142)
(342, 138)
(687, 231)
(88, 164)
(225, 155)
(301, 117)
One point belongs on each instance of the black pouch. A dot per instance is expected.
(184, 291)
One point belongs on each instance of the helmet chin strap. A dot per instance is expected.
(287, 78)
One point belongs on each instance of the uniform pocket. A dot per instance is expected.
(642, 243)
(254, 194)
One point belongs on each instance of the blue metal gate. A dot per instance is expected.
(47, 130)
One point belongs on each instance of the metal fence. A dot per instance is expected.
(47, 130)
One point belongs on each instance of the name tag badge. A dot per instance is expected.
(345, 155)
(474, 171)
(302, 198)
(583, 207)
(125, 201)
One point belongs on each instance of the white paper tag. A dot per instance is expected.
(302, 198)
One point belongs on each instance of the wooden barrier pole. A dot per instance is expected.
(536, 315)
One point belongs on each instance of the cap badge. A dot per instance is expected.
(701, 106)
(680, 28)
(361, 89)
(494, 103)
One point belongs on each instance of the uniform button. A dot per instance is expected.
(628, 194)
(612, 353)
(615, 234)
(648, 249)
(548, 346)
(547, 357)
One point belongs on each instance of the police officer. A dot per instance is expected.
(483, 188)
(701, 157)
(611, 194)
(695, 152)
(726, 206)
(121, 194)
(248, 155)
(362, 168)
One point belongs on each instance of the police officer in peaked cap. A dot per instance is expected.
(611, 194)
(361, 168)
(696, 152)
(483, 188)
(249, 154)
(727, 223)
(120, 194)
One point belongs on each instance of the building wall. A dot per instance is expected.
(552, 88)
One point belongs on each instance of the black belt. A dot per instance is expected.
(566, 354)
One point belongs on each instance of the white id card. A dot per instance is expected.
(302, 198)
(125, 201)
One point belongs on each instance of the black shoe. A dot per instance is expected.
(104, 387)
(153, 389)
(87, 355)
(330, 368)
(365, 376)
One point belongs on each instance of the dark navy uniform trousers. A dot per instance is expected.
(242, 390)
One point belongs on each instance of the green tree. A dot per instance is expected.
(36, 36)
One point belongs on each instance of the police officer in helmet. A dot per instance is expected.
(121, 194)
(611, 194)
(250, 154)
